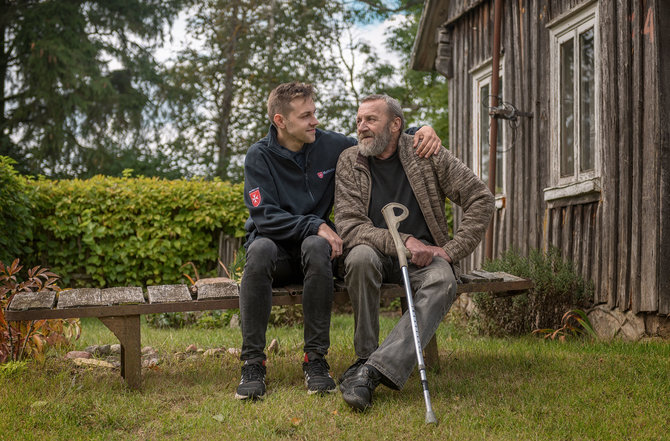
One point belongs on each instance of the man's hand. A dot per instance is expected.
(426, 142)
(333, 239)
(422, 255)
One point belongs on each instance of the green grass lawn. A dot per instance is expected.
(487, 389)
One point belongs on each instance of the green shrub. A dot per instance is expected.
(16, 217)
(558, 288)
(133, 231)
(30, 339)
(216, 319)
(286, 315)
(172, 319)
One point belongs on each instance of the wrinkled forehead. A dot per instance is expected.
(376, 108)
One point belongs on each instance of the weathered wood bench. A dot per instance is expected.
(120, 308)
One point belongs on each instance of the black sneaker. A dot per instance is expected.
(351, 370)
(317, 377)
(357, 389)
(252, 384)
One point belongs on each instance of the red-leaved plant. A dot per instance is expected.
(29, 339)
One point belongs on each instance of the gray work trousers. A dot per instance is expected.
(434, 290)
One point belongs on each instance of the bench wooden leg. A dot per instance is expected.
(430, 355)
(127, 330)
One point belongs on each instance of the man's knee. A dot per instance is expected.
(314, 245)
(262, 253)
(363, 262)
(442, 276)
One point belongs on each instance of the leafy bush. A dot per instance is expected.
(132, 231)
(575, 323)
(286, 315)
(24, 339)
(172, 319)
(558, 288)
(15, 212)
(216, 319)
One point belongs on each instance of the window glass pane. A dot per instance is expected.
(587, 127)
(567, 108)
(484, 133)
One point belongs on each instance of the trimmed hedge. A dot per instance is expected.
(108, 231)
(15, 213)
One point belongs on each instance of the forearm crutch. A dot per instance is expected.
(392, 221)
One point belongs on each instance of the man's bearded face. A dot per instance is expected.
(373, 144)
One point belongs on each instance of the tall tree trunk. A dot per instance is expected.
(4, 63)
(226, 104)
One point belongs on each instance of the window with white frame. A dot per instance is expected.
(481, 93)
(574, 152)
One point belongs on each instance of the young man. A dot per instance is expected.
(382, 169)
(289, 191)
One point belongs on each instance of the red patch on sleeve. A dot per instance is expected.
(255, 196)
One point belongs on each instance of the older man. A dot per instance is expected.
(382, 169)
(289, 191)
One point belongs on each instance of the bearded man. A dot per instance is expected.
(380, 170)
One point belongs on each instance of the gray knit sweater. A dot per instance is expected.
(433, 180)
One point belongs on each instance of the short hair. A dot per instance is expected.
(281, 96)
(393, 107)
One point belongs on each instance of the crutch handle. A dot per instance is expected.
(392, 222)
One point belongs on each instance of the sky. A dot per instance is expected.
(373, 34)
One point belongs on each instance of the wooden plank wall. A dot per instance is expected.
(630, 137)
(617, 241)
(661, 32)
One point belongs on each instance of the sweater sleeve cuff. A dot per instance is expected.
(454, 251)
(314, 227)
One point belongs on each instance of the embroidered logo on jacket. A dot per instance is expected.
(321, 174)
(255, 196)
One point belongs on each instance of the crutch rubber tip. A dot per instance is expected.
(430, 418)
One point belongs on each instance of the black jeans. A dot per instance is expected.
(270, 264)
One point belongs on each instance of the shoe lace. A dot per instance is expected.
(252, 372)
(373, 378)
(318, 367)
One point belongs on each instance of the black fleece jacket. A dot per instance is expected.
(286, 202)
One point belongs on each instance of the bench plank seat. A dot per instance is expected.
(120, 308)
(168, 294)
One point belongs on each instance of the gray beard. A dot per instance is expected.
(377, 145)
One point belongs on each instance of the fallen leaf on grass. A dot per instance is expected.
(220, 418)
(37, 404)
(296, 421)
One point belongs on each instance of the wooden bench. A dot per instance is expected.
(120, 308)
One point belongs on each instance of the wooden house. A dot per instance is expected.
(589, 171)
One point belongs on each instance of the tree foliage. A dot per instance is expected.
(76, 79)
(424, 95)
(219, 87)
(83, 95)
